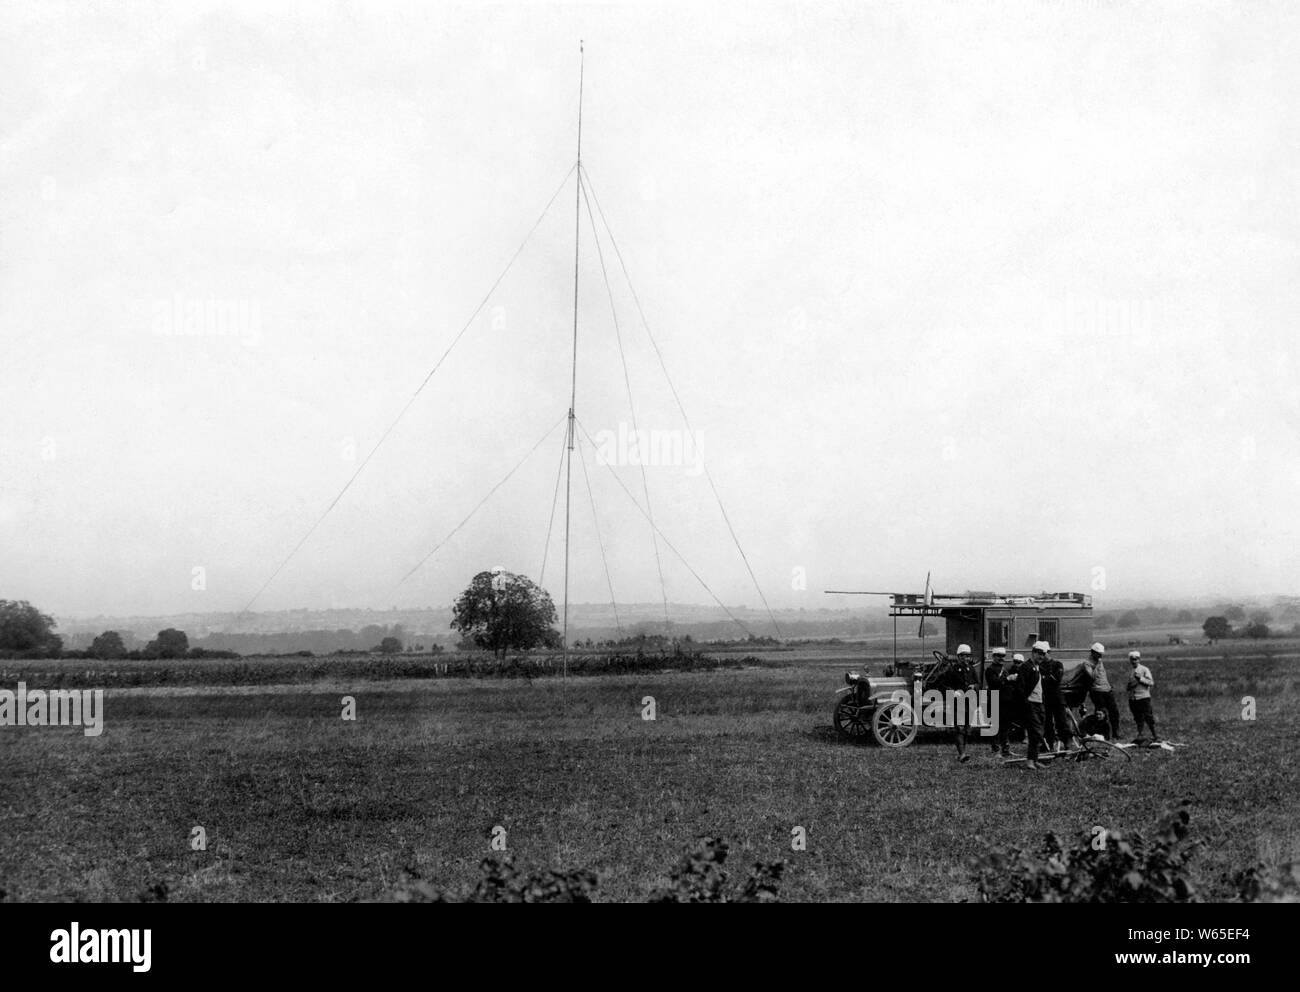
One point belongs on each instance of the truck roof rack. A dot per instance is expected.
(914, 602)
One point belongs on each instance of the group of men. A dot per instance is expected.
(1033, 696)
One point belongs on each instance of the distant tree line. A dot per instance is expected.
(1256, 627)
(26, 632)
(500, 612)
(373, 637)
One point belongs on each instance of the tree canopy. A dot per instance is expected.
(505, 611)
(25, 628)
(108, 645)
(170, 643)
(1216, 628)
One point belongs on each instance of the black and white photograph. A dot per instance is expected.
(651, 452)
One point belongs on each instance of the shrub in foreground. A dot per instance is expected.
(1269, 883)
(1111, 868)
(698, 877)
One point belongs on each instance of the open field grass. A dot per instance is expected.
(299, 804)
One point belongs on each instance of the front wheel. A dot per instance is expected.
(850, 719)
(894, 725)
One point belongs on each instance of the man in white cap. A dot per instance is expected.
(1030, 682)
(1100, 693)
(1140, 682)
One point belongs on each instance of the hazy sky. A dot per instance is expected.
(1002, 291)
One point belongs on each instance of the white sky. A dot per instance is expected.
(1005, 292)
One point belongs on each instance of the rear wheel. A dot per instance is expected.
(893, 725)
(851, 720)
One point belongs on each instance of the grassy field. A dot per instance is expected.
(299, 804)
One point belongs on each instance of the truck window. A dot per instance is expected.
(999, 633)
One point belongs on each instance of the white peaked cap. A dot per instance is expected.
(1017, 657)
(1099, 647)
(1042, 646)
(999, 650)
(963, 649)
(1135, 654)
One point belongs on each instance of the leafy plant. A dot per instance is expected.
(1269, 883)
(700, 877)
(1114, 868)
(501, 881)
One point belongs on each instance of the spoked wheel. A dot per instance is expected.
(894, 725)
(850, 720)
(1105, 750)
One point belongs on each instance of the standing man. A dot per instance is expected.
(1140, 682)
(1030, 682)
(1014, 701)
(1057, 723)
(963, 666)
(995, 681)
(1100, 694)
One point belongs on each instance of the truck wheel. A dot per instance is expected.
(850, 720)
(894, 725)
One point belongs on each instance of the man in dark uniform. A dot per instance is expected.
(1014, 698)
(959, 675)
(995, 681)
(1057, 729)
(1029, 688)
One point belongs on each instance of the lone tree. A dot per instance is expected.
(25, 628)
(108, 645)
(390, 645)
(170, 643)
(503, 611)
(1216, 629)
(1129, 620)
